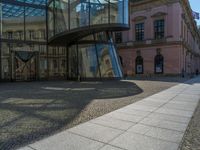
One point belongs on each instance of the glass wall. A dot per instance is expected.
(61, 16)
(23, 28)
(86, 13)
(95, 60)
(25, 55)
(12, 22)
(99, 12)
(5, 61)
(35, 24)
(57, 62)
(88, 64)
(51, 20)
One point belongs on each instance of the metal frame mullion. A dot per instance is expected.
(109, 11)
(97, 56)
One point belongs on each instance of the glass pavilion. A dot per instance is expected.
(60, 39)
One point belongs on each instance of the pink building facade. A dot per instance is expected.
(163, 39)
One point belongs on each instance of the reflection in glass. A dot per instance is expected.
(99, 12)
(35, 24)
(57, 62)
(73, 62)
(51, 20)
(116, 11)
(126, 12)
(94, 60)
(12, 22)
(79, 13)
(61, 16)
(88, 66)
(72, 14)
(5, 61)
(108, 61)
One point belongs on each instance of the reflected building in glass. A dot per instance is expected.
(60, 39)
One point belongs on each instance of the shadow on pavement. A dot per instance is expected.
(31, 111)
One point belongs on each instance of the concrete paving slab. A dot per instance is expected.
(113, 123)
(125, 117)
(159, 133)
(183, 107)
(150, 103)
(140, 129)
(142, 107)
(163, 96)
(66, 140)
(132, 141)
(183, 103)
(130, 111)
(172, 118)
(96, 132)
(164, 124)
(176, 112)
(165, 134)
(109, 147)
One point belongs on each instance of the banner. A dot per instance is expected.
(196, 15)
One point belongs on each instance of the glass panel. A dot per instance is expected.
(12, 22)
(116, 11)
(126, 12)
(57, 62)
(51, 20)
(5, 61)
(108, 61)
(73, 62)
(35, 24)
(61, 15)
(79, 13)
(37, 2)
(43, 71)
(88, 65)
(99, 11)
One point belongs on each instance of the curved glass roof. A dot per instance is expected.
(9, 10)
(38, 2)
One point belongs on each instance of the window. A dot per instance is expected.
(159, 62)
(159, 27)
(10, 35)
(139, 65)
(139, 32)
(118, 37)
(31, 34)
(20, 35)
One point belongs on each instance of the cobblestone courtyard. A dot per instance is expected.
(30, 111)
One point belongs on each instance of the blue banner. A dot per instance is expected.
(196, 15)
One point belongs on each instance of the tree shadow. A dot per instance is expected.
(32, 111)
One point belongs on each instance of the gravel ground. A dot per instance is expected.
(191, 140)
(30, 111)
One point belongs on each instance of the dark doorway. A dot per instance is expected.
(159, 63)
(139, 65)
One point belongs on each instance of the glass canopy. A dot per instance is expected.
(18, 11)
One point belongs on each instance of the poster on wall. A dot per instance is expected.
(139, 68)
(159, 69)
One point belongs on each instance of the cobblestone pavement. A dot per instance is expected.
(30, 111)
(191, 140)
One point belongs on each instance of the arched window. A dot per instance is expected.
(139, 65)
(159, 63)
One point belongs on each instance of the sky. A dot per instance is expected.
(195, 5)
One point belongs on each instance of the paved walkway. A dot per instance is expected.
(154, 123)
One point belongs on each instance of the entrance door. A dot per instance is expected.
(25, 65)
